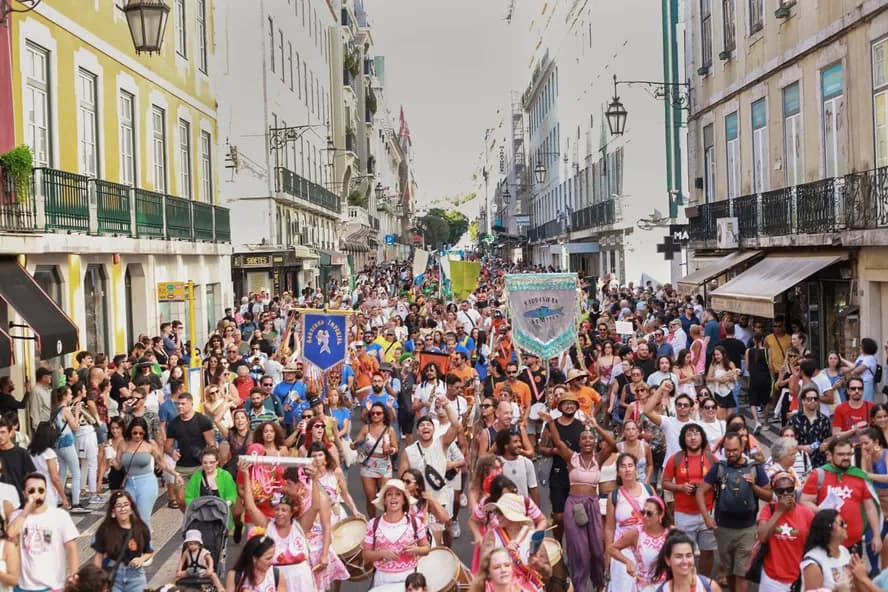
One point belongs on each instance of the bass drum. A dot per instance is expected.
(444, 572)
(348, 539)
(560, 581)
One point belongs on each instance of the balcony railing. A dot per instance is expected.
(374, 222)
(17, 205)
(359, 215)
(550, 229)
(292, 184)
(856, 201)
(594, 216)
(57, 200)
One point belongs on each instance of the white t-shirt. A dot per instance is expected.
(823, 385)
(521, 472)
(671, 427)
(714, 431)
(836, 570)
(425, 391)
(9, 492)
(42, 549)
(41, 463)
(469, 319)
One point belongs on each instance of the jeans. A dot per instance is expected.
(143, 488)
(130, 579)
(873, 557)
(68, 460)
(88, 451)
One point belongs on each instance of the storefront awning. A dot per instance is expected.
(356, 242)
(56, 333)
(5, 349)
(754, 291)
(689, 283)
(303, 252)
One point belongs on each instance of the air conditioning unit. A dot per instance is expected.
(727, 233)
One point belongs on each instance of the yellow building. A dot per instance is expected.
(124, 187)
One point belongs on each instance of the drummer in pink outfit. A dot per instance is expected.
(396, 540)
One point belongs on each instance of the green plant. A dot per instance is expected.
(18, 164)
(371, 100)
(356, 198)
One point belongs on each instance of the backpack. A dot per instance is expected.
(877, 375)
(733, 494)
(707, 587)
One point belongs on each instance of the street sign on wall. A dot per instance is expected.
(390, 239)
(171, 291)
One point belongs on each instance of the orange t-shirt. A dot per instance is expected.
(466, 373)
(587, 396)
(521, 391)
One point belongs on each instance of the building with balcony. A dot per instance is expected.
(123, 198)
(788, 155)
(275, 105)
(589, 189)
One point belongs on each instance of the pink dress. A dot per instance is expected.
(487, 522)
(647, 549)
(700, 365)
(292, 557)
(336, 570)
(387, 536)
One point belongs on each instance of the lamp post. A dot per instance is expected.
(6, 8)
(147, 21)
(676, 93)
(540, 173)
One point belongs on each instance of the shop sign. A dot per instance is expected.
(390, 239)
(257, 261)
(172, 291)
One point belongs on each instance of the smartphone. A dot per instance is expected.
(536, 541)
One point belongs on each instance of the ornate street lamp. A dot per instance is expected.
(147, 21)
(506, 195)
(675, 93)
(6, 8)
(380, 192)
(616, 116)
(540, 173)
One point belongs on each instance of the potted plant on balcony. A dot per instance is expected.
(16, 166)
(371, 101)
(356, 198)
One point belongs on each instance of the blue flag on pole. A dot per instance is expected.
(324, 339)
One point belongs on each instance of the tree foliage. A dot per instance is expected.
(444, 226)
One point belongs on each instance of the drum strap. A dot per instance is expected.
(410, 517)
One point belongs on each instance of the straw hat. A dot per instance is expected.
(576, 373)
(568, 397)
(292, 367)
(511, 506)
(379, 500)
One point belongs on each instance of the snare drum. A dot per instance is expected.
(347, 542)
(444, 572)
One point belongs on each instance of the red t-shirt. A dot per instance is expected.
(852, 490)
(846, 417)
(787, 542)
(691, 469)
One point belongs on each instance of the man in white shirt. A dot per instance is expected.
(468, 316)
(677, 337)
(48, 543)
(516, 466)
(811, 373)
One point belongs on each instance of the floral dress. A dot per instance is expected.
(292, 557)
(331, 485)
(647, 549)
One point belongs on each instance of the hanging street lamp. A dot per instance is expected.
(147, 21)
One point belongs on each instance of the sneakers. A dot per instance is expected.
(80, 510)
(96, 501)
(463, 501)
(757, 429)
(454, 529)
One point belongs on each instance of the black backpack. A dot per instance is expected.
(734, 495)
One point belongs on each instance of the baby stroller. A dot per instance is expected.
(209, 515)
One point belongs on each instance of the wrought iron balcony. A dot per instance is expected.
(594, 216)
(707, 219)
(55, 200)
(550, 229)
(292, 184)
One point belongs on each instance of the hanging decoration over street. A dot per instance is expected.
(544, 311)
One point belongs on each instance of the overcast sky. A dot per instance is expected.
(448, 63)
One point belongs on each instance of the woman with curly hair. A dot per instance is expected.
(316, 433)
(271, 436)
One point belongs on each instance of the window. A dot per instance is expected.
(880, 101)
(792, 134)
(298, 77)
(206, 166)
(88, 122)
(281, 48)
(728, 25)
(202, 36)
(127, 139)
(756, 16)
(158, 119)
(95, 296)
(181, 35)
(271, 41)
(732, 152)
(305, 80)
(36, 107)
(290, 62)
(185, 158)
(709, 163)
(706, 33)
(834, 147)
(760, 157)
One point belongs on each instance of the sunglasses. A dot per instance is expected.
(310, 416)
(708, 407)
(811, 399)
(682, 405)
(267, 384)
(854, 388)
(138, 432)
(376, 413)
(784, 490)
(122, 506)
(649, 513)
(36, 490)
(486, 405)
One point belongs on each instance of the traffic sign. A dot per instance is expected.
(172, 291)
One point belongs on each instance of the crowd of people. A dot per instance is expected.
(639, 444)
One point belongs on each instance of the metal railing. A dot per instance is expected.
(18, 212)
(286, 181)
(56, 200)
(594, 216)
(856, 201)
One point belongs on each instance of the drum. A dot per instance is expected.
(444, 571)
(559, 580)
(535, 409)
(347, 542)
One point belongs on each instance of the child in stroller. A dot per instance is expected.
(206, 528)
(197, 562)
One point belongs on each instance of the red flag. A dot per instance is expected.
(442, 361)
(405, 130)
